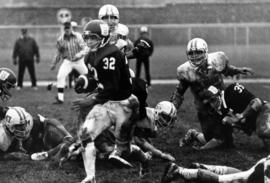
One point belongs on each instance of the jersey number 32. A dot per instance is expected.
(109, 63)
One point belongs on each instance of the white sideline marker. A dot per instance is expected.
(167, 81)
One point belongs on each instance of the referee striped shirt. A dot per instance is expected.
(69, 45)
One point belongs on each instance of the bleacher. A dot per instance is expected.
(43, 12)
(203, 18)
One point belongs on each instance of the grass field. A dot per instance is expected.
(165, 60)
(248, 149)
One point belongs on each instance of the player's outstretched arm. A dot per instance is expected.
(231, 70)
(155, 151)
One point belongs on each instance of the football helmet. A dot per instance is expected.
(96, 34)
(18, 122)
(110, 14)
(122, 31)
(212, 97)
(197, 51)
(165, 113)
(7, 81)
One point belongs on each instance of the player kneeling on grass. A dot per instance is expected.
(259, 173)
(240, 109)
(24, 135)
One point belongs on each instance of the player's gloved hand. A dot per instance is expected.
(79, 84)
(231, 120)
(246, 70)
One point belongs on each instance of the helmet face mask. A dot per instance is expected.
(112, 22)
(165, 114)
(197, 52)
(196, 57)
(93, 41)
(96, 34)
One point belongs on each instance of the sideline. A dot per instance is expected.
(167, 81)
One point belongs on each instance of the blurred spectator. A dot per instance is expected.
(143, 50)
(25, 54)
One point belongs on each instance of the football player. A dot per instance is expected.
(259, 173)
(198, 73)
(21, 132)
(239, 108)
(118, 32)
(110, 72)
(158, 118)
(110, 14)
(123, 43)
(7, 81)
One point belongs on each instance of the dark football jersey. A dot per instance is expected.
(139, 89)
(112, 71)
(35, 142)
(237, 97)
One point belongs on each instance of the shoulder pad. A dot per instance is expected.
(121, 43)
(185, 70)
(218, 60)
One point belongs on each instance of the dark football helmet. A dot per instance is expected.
(96, 34)
(7, 81)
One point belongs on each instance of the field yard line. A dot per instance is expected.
(168, 81)
(266, 86)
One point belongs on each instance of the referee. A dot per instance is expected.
(71, 50)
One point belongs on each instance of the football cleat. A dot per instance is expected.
(58, 101)
(39, 156)
(189, 138)
(170, 173)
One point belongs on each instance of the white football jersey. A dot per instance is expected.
(217, 62)
(149, 121)
(5, 139)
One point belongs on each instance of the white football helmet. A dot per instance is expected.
(18, 122)
(122, 31)
(197, 51)
(110, 14)
(166, 114)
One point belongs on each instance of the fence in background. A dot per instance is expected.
(162, 34)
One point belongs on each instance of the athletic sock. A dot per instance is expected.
(188, 174)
